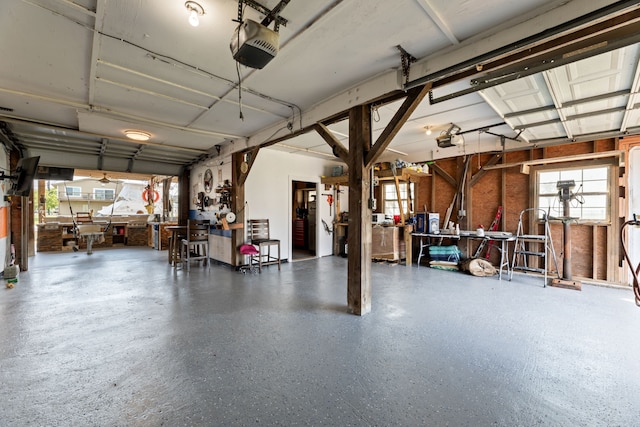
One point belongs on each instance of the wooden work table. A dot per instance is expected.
(59, 236)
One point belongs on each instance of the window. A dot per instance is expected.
(103, 193)
(391, 206)
(72, 191)
(590, 201)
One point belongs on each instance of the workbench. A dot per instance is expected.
(497, 236)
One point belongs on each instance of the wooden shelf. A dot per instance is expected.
(335, 180)
(404, 174)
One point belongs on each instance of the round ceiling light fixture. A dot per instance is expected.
(137, 135)
(195, 11)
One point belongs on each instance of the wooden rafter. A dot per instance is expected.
(492, 161)
(338, 149)
(438, 170)
(411, 102)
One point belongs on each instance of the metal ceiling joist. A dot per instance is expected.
(523, 48)
(632, 99)
(103, 148)
(570, 118)
(270, 15)
(557, 103)
(562, 56)
(529, 111)
(595, 98)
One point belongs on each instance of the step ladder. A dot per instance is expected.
(539, 246)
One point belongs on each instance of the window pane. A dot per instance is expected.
(594, 213)
(595, 186)
(548, 188)
(547, 203)
(73, 191)
(391, 208)
(595, 173)
(595, 201)
(574, 174)
(389, 191)
(103, 193)
(548, 177)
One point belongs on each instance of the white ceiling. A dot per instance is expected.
(74, 74)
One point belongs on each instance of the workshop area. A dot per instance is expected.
(328, 212)
(120, 339)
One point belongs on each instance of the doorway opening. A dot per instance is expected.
(303, 235)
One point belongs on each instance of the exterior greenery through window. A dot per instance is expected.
(591, 201)
(391, 206)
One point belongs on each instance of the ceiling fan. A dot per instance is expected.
(104, 180)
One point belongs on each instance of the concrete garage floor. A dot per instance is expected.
(118, 339)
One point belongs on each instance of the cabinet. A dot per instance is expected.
(220, 246)
(49, 237)
(300, 233)
(137, 234)
(118, 234)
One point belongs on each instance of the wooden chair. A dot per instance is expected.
(260, 237)
(195, 246)
(83, 217)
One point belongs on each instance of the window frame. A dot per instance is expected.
(74, 194)
(404, 202)
(102, 189)
(595, 164)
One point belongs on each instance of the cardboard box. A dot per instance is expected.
(433, 223)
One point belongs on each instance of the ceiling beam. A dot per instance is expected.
(558, 103)
(632, 99)
(438, 20)
(95, 49)
(572, 158)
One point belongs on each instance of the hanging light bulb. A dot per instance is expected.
(193, 18)
(195, 10)
(428, 130)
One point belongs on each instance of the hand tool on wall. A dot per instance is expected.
(329, 200)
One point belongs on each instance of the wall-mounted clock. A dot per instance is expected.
(208, 180)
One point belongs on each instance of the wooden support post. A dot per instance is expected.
(237, 205)
(42, 200)
(359, 238)
(408, 242)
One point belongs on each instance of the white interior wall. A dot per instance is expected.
(221, 170)
(268, 192)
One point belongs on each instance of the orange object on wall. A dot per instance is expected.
(4, 211)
